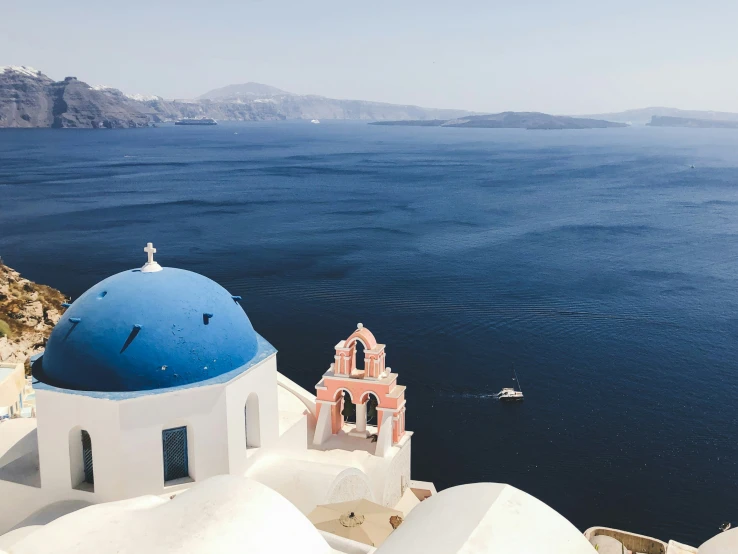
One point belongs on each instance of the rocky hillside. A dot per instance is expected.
(28, 313)
(245, 91)
(28, 98)
(310, 106)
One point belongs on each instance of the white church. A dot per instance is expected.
(163, 425)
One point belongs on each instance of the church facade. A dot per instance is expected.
(154, 380)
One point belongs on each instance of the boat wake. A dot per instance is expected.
(470, 395)
(477, 395)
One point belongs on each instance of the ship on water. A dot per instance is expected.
(196, 121)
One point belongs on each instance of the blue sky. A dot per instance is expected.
(558, 57)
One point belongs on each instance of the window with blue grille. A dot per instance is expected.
(87, 458)
(174, 443)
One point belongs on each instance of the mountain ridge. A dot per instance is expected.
(642, 116)
(28, 98)
(250, 89)
(691, 122)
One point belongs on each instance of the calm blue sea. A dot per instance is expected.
(599, 262)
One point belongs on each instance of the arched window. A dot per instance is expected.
(87, 458)
(80, 460)
(251, 421)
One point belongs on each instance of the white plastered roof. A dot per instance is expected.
(724, 543)
(304, 483)
(485, 518)
(221, 514)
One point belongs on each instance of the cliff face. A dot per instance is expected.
(254, 99)
(28, 98)
(28, 313)
(76, 104)
(24, 98)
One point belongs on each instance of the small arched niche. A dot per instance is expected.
(251, 421)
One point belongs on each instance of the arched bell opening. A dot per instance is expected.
(366, 413)
(348, 408)
(358, 353)
(343, 411)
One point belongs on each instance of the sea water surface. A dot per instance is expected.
(598, 262)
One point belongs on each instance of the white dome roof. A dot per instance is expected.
(485, 517)
(221, 514)
(724, 543)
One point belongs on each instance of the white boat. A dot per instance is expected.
(509, 394)
(316, 121)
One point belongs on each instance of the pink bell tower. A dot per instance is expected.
(375, 379)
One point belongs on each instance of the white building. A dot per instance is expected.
(154, 380)
(16, 393)
(163, 425)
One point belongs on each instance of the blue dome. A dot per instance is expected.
(139, 331)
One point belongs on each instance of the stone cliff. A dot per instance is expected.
(28, 98)
(28, 313)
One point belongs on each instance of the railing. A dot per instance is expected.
(631, 541)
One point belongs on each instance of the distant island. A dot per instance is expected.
(643, 116)
(665, 121)
(28, 98)
(511, 120)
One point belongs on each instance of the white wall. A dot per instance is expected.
(12, 386)
(296, 437)
(57, 415)
(201, 410)
(127, 434)
(262, 381)
(351, 484)
(397, 473)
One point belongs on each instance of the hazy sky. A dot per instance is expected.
(560, 57)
